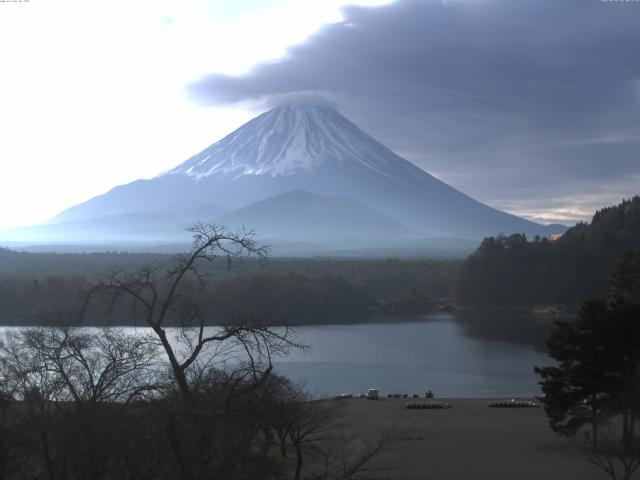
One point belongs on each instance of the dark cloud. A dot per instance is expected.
(299, 98)
(510, 101)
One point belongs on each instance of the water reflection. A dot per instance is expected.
(506, 327)
(449, 354)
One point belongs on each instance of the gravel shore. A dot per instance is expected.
(468, 441)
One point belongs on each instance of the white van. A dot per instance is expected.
(372, 394)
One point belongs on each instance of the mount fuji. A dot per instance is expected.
(297, 173)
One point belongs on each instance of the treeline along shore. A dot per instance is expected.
(506, 273)
(41, 288)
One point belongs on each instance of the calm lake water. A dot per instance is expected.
(437, 352)
(454, 355)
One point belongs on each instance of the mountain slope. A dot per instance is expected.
(315, 149)
(322, 218)
(116, 228)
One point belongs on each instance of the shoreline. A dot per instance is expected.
(535, 312)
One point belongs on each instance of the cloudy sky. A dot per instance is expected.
(531, 106)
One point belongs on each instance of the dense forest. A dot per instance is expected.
(512, 270)
(44, 288)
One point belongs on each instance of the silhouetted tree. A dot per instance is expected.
(216, 371)
(69, 392)
(577, 391)
(163, 298)
(597, 379)
(625, 279)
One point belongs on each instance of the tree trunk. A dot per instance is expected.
(43, 433)
(283, 445)
(626, 428)
(298, 461)
(594, 420)
(268, 440)
(178, 372)
(48, 461)
(283, 449)
(174, 441)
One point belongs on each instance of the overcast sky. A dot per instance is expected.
(531, 106)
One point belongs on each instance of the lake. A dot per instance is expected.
(450, 355)
(454, 355)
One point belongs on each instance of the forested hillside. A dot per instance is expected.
(515, 270)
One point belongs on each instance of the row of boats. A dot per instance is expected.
(427, 405)
(513, 404)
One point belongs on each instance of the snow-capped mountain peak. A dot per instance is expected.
(290, 139)
(296, 148)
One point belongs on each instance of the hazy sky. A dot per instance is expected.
(531, 106)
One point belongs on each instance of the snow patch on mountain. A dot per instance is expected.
(292, 139)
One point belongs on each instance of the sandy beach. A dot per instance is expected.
(469, 441)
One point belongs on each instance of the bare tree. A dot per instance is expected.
(350, 457)
(25, 379)
(215, 369)
(13, 458)
(102, 404)
(72, 388)
(323, 451)
(176, 297)
(102, 366)
(617, 458)
(310, 423)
